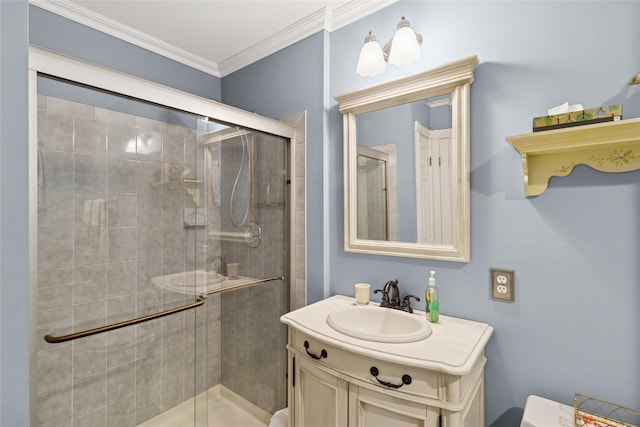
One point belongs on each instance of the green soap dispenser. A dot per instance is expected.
(433, 303)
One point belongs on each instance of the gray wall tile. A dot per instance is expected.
(90, 173)
(121, 278)
(121, 141)
(122, 176)
(121, 347)
(55, 130)
(149, 145)
(122, 413)
(90, 283)
(94, 419)
(54, 368)
(89, 356)
(53, 407)
(90, 137)
(57, 168)
(121, 382)
(89, 395)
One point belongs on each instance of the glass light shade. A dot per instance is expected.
(405, 47)
(371, 60)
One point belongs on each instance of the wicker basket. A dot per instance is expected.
(591, 412)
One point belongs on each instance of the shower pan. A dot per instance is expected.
(161, 224)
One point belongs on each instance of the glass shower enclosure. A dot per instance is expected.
(161, 260)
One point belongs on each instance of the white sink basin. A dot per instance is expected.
(189, 282)
(373, 323)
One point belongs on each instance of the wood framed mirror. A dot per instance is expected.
(407, 165)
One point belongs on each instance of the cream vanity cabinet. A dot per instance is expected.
(336, 380)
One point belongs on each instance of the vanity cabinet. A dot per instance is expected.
(321, 398)
(369, 407)
(337, 380)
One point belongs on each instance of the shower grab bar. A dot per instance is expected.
(200, 301)
(230, 235)
(251, 235)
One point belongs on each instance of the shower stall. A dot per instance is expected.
(161, 236)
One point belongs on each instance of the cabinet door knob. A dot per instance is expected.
(406, 379)
(323, 353)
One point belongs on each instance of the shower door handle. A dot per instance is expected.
(64, 338)
(200, 300)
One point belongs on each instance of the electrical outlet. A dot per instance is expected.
(502, 284)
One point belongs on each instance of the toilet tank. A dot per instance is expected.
(541, 412)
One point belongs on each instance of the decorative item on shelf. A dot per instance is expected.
(592, 412)
(402, 49)
(192, 186)
(581, 117)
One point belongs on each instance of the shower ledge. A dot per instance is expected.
(196, 282)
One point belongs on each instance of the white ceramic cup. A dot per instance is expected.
(232, 270)
(362, 293)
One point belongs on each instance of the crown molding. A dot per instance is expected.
(352, 11)
(324, 19)
(292, 34)
(113, 28)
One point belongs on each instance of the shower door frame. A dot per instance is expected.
(77, 71)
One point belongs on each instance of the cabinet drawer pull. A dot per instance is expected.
(323, 353)
(406, 379)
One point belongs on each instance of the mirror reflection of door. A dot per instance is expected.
(433, 183)
(373, 199)
(423, 210)
(377, 192)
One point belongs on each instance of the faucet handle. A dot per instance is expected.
(406, 302)
(385, 297)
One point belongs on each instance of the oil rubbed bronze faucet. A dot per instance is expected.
(394, 301)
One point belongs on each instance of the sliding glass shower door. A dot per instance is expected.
(161, 263)
(111, 209)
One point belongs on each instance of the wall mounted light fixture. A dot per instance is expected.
(402, 49)
(372, 59)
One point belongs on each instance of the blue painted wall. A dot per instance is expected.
(288, 81)
(575, 324)
(14, 225)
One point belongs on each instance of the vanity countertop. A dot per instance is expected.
(454, 345)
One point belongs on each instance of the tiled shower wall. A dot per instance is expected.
(253, 339)
(110, 202)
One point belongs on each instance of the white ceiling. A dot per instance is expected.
(214, 36)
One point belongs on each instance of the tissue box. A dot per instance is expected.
(578, 118)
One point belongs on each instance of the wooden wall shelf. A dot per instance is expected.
(607, 147)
